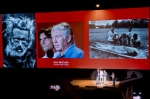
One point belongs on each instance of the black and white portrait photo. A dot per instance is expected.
(126, 38)
(19, 40)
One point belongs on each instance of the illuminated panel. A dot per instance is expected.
(79, 21)
(119, 39)
(85, 17)
(18, 37)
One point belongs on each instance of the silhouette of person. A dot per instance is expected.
(113, 78)
(133, 75)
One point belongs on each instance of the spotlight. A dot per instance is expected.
(97, 5)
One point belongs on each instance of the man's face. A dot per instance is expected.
(112, 29)
(46, 42)
(18, 44)
(130, 29)
(59, 41)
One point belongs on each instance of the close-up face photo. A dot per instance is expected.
(60, 37)
(19, 42)
(59, 40)
(46, 42)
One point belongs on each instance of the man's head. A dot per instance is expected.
(112, 29)
(135, 36)
(45, 39)
(19, 35)
(62, 36)
(124, 35)
(130, 29)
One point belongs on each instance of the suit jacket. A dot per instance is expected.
(96, 74)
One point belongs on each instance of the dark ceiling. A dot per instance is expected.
(21, 6)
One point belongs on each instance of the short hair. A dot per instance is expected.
(130, 28)
(23, 24)
(135, 36)
(65, 28)
(46, 31)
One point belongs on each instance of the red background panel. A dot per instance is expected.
(85, 17)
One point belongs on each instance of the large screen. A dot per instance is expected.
(110, 39)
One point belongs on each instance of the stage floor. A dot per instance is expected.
(86, 83)
(92, 83)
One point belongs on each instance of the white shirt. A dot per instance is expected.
(111, 35)
(45, 56)
(136, 40)
(101, 73)
(129, 34)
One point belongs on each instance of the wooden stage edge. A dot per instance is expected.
(92, 83)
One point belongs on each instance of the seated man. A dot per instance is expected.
(136, 40)
(64, 43)
(123, 39)
(112, 36)
(129, 35)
